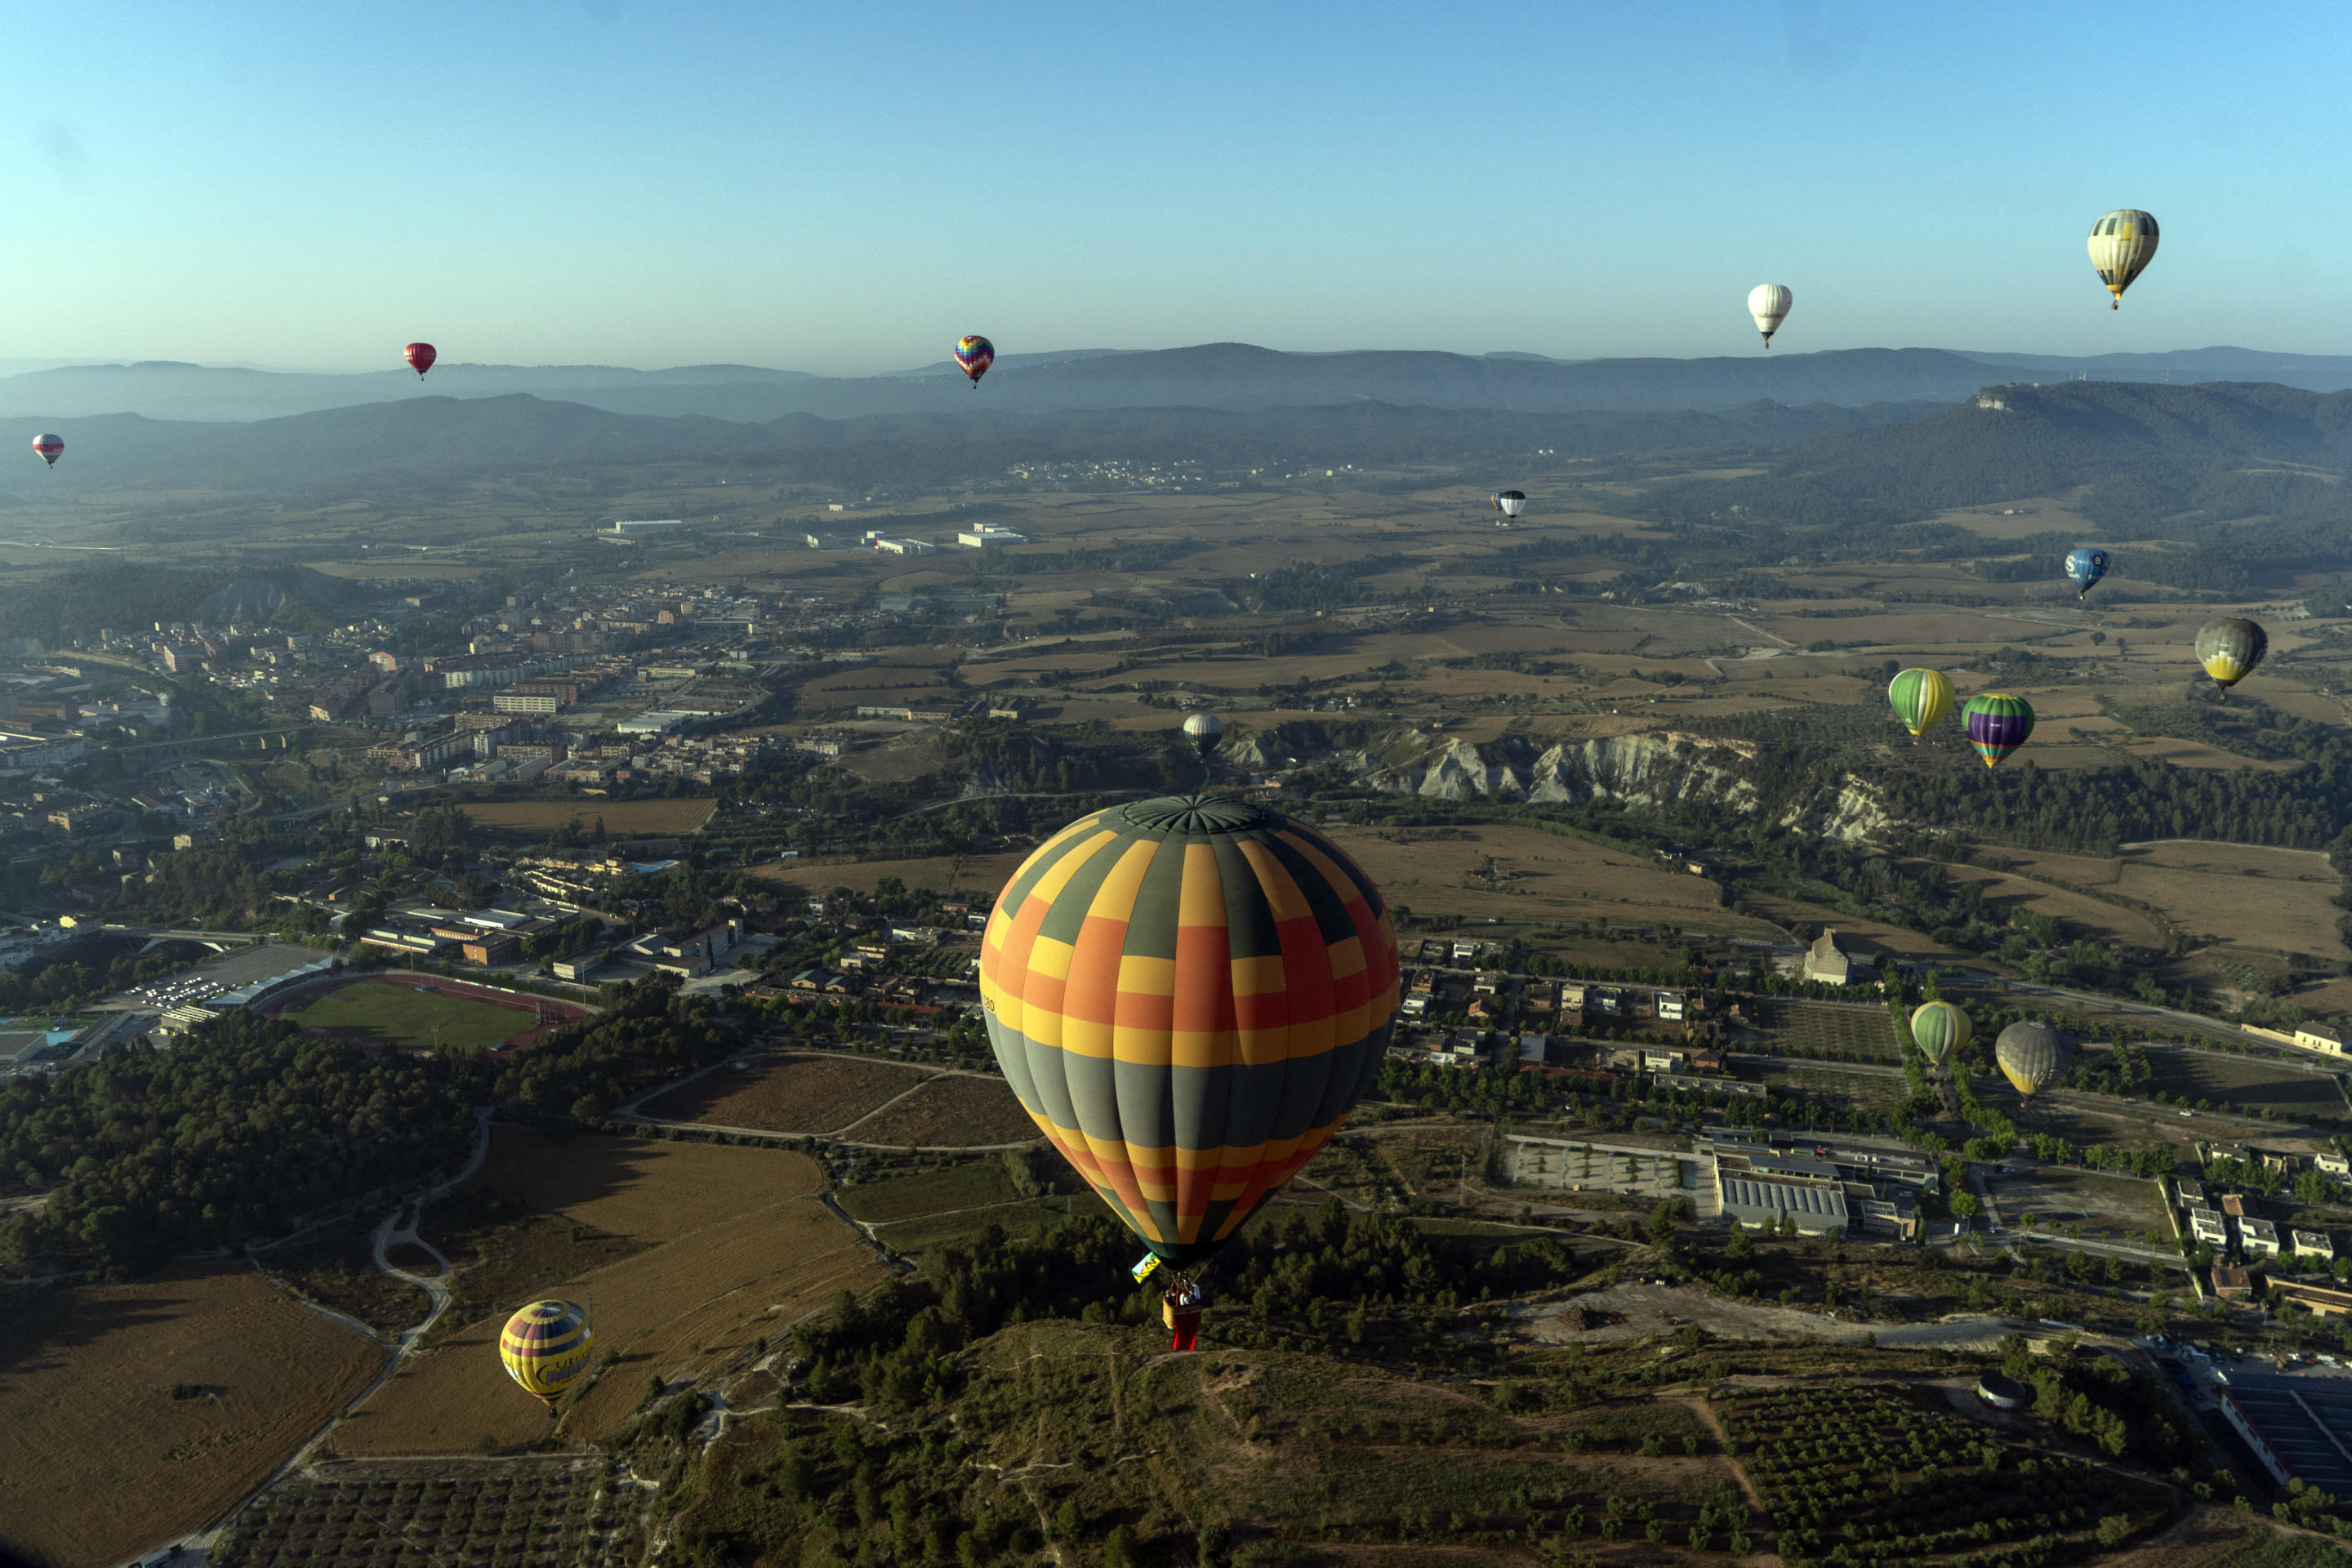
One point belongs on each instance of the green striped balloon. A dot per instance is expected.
(1920, 698)
(1938, 1029)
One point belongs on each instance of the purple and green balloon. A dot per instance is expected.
(1998, 724)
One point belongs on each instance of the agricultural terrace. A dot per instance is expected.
(2250, 894)
(688, 1254)
(531, 1513)
(136, 1411)
(984, 874)
(414, 1011)
(817, 1094)
(1881, 1472)
(622, 818)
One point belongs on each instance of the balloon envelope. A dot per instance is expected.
(1205, 731)
(1769, 304)
(975, 354)
(545, 1348)
(1938, 1029)
(1920, 698)
(1510, 503)
(2230, 648)
(2033, 1056)
(2123, 243)
(1998, 724)
(2085, 566)
(49, 446)
(1188, 996)
(420, 358)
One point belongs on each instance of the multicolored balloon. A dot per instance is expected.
(975, 354)
(2230, 648)
(545, 1349)
(1920, 698)
(2085, 567)
(1998, 724)
(1188, 996)
(50, 447)
(420, 358)
(1938, 1029)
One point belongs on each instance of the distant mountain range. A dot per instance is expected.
(1236, 377)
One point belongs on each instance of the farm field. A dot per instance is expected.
(1542, 876)
(2249, 1085)
(942, 874)
(657, 818)
(812, 1094)
(952, 1112)
(99, 1460)
(2247, 893)
(1862, 1034)
(739, 1252)
(534, 1512)
(930, 1192)
(2095, 1200)
(396, 1012)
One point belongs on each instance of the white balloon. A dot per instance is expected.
(2123, 243)
(1769, 303)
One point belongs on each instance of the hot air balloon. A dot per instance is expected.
(545, 1348)
(2123, 243)
(1998, 724)
(1206, 732)
(420, 358)
(2230, 648)
(2033, 1056)
(975, 354)
(1938, 1029)
(1510, 503)
(1188, 996)
(2085, 567)
(1920, 698)
(50, 447)
(1769, 303)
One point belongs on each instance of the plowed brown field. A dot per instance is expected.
(816, 1094)
(743, 1253)
(951, 1112)
(97, 1461)
(621, 816)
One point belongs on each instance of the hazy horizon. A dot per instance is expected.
(564, 183)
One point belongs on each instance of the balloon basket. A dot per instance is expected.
(1179, 1311)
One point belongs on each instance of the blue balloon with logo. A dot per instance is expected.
(2085, 567)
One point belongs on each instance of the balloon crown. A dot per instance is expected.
(1194, 813)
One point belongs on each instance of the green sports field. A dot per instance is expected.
(398, 1015)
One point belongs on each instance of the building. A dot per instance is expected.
(2231, 1282)
(1847, 1186)
(1830, 963)
(2332, 1165)
(2258, 1237)
(2321, 1301)
(578, 966)
(2313, 1243)
(2299, 1426)
(2320, 1038)
(2190, 1194)
(988, 536)
(661, 525)
(525, 702)
(2209, 1227)
(904, 547)
(491, 947)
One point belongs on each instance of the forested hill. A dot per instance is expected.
(2169, 463)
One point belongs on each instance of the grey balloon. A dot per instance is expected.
(2033, 1056)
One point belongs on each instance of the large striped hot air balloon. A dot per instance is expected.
(50, 447)
(1189, 995)
(2123, 243)
(1920, 698)
(2033, 1056)
(2229, 649)
(1998, 724)
(545, 1348)
(1938, 1029)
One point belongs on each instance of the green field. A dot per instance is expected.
(2250, 1084)
(397, 1015)
(930, 1192)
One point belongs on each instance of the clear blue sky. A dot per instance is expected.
(844, 188)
